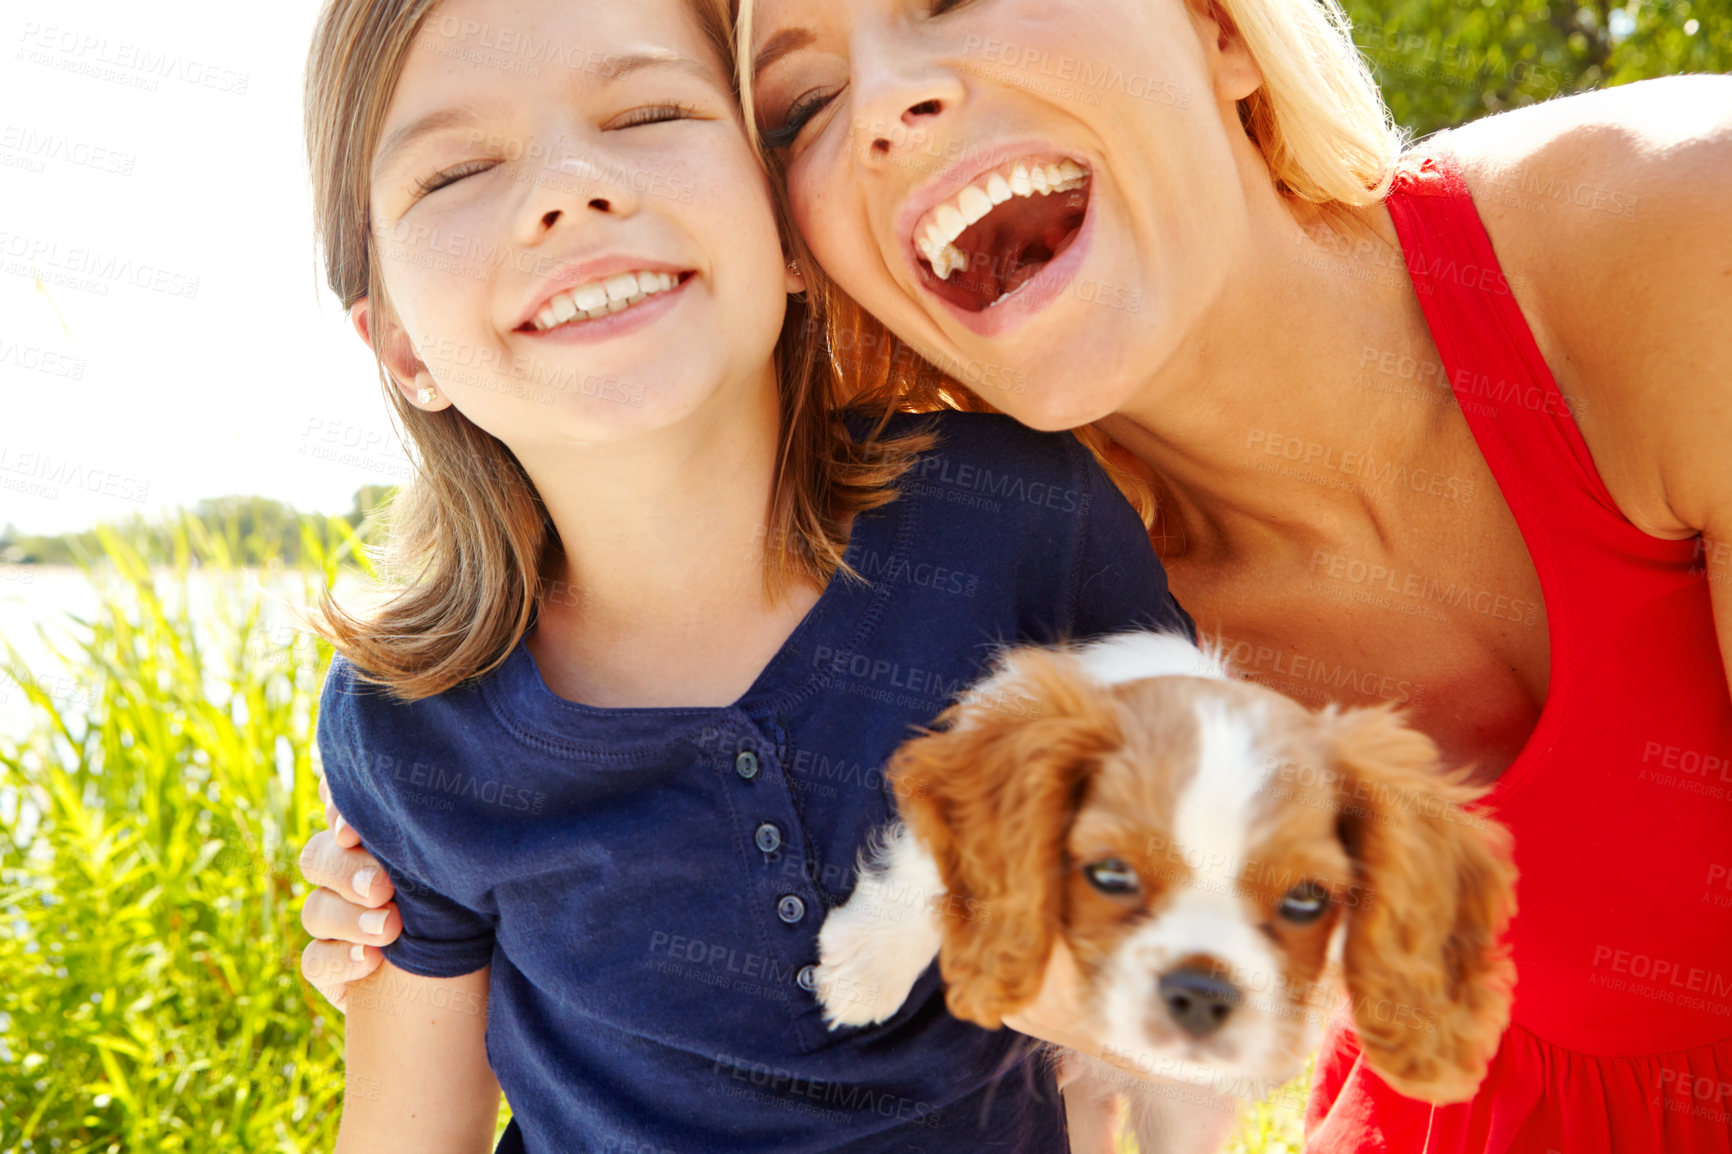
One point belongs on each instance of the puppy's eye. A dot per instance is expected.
(1112, 876)
(1304, 903)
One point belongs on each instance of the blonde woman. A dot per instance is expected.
(1452, 429)
(1447, 428)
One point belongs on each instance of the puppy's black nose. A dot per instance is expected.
(1197, 1001)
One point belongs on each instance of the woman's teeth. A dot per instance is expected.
(588, 302)
(936, 239)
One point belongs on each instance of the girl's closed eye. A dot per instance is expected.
(430, 184)
(649, 114)
(655, 114)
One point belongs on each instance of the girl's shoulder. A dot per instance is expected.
(1034, 517)
(364, 725)
(981, 441)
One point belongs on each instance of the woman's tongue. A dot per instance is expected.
(1009, 247)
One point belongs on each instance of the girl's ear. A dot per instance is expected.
(391, 345)
(1226, 55)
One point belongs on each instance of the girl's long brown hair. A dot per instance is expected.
(469, 541)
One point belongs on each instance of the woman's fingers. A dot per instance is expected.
(349, 914)
(1055, 1016)
(343, 831)
(327, 915)
(330, 967)
(1055, 1012)
(351, 871)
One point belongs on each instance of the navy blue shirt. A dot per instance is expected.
(648, 884)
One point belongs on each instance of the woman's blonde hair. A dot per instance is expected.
(469, 539)
(1318, 117)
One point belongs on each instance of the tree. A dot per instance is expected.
(1445, 62)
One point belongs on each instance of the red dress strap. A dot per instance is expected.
(1620, 803)
(1525, 424)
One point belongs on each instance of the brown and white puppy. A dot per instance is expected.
(1221, 861)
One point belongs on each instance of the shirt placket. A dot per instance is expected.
(785, 898)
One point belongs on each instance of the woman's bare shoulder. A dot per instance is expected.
(1611, 214)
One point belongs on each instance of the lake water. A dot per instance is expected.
(39, 604)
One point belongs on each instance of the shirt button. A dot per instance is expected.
(790, 909)
(768, 837)
(746, 764)
(807, 978)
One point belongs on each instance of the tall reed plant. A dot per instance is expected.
(150, 989)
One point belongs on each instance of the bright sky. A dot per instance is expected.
(165, 333)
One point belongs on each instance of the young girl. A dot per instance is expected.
(617, 742)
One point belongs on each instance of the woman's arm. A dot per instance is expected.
(416, 1078)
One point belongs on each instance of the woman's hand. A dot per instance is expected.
(1056, 1016)
(350, 915)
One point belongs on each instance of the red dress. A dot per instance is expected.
(1620, 803)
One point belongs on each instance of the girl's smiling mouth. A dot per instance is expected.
(596, 300)
(993, 236)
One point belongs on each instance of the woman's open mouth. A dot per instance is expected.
(993, 237)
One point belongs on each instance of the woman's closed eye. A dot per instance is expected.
(802, 110)
(799, 114)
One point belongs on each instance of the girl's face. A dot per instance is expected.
(1041, 196)
(545, 160)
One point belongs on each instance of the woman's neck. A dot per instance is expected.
(1263, 424)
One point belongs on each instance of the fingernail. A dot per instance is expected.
(358, 953)
(338, 828)
(373, 921)
(363, 880)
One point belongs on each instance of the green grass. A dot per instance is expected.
(150, 939)
(1276, 1126)
(150, 989)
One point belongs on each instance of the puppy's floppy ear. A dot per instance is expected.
(1430, 981)
(992, 798)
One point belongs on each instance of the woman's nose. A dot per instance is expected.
(905, 96)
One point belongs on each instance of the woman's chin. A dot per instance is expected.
(1052, 402)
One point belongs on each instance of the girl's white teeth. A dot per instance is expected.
(936, 241)
(621, 286)
(601, 298)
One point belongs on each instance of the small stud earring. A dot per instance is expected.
(794, 267)
(425, 395)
